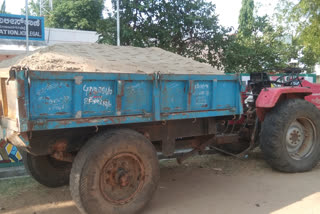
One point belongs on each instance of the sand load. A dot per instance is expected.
(109, 59)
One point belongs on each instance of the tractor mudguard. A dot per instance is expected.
(269, 97)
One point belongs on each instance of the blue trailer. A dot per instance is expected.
(59, 100)
(51, 115)
(103, 132)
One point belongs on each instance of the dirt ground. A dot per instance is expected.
(202, 185)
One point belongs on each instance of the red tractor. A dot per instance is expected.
(283, 117)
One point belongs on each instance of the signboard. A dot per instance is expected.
(14, 27)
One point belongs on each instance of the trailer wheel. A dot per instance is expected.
(46, 170)
(115, 172)
(290, 136)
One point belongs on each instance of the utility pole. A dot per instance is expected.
(118, 24)
(27, 27)
(41, 7)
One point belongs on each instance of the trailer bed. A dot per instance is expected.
(41, 100)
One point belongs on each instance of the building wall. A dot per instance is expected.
(317, 69)
(54, 36)
(5, 56)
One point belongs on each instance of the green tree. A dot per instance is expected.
(186, 27)
(76, 14)
(301, 20)
(3, 7)
(246, 18)
(71, 14)
(264, 48)
(258, 45)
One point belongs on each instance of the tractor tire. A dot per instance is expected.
(115, 172)
(46, 170)
(290, 136)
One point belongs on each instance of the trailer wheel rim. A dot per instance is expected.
(301, 138)
(121, 178)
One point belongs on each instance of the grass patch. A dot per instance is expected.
(15, 186)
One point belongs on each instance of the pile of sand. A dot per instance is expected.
(109, 59)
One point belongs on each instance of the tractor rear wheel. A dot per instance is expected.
(290, 136)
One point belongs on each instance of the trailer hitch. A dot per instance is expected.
(197, 150)
(201, 148)
(222, 139)
(243, 154)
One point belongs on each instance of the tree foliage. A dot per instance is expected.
(263, 49)
(191, 29)
(303, 20)
(3, 7)
(246, 18)
(186, 27)
(76, 14)
(258, 45)
(71, 14)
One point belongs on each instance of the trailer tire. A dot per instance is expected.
(115, 172)
(290, 136)
(46, 170)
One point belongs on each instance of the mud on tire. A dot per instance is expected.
(290, 136)
(115, 172)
